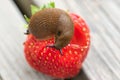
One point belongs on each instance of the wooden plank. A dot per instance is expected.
(108, 48)
(102, 63)
(13, 65)
(24, 6)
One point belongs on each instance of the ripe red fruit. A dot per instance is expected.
(49, 60)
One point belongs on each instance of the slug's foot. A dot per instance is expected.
(52, 46)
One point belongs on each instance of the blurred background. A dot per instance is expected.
(103, 18)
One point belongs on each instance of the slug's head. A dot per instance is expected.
(64, 31)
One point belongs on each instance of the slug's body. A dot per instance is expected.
(52, 21)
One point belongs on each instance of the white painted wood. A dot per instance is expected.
(13, 65)
(102, 63)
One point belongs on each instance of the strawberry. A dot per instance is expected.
(49, 60)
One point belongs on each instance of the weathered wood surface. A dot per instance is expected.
(24, 6)
(103, 60)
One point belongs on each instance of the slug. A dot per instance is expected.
(52, 22)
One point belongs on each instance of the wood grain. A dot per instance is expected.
(24, 6)
(103, 60)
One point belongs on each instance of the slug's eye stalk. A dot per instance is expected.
(52, 46)
(52, 21)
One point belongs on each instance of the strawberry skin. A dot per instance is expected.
(49, 60)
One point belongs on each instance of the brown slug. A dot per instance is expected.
(52, 21)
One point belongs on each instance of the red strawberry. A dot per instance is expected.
(49, 60)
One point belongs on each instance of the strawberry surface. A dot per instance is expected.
(49, 60)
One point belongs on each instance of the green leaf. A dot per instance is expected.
(49, 5)
(34, 9)
(26, 26)
(27, 19)
(42, 7)
(52, 4)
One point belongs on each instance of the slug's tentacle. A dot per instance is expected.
(27, 32)
(52, 21)
(52, 46)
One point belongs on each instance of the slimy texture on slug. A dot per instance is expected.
(52, 21)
